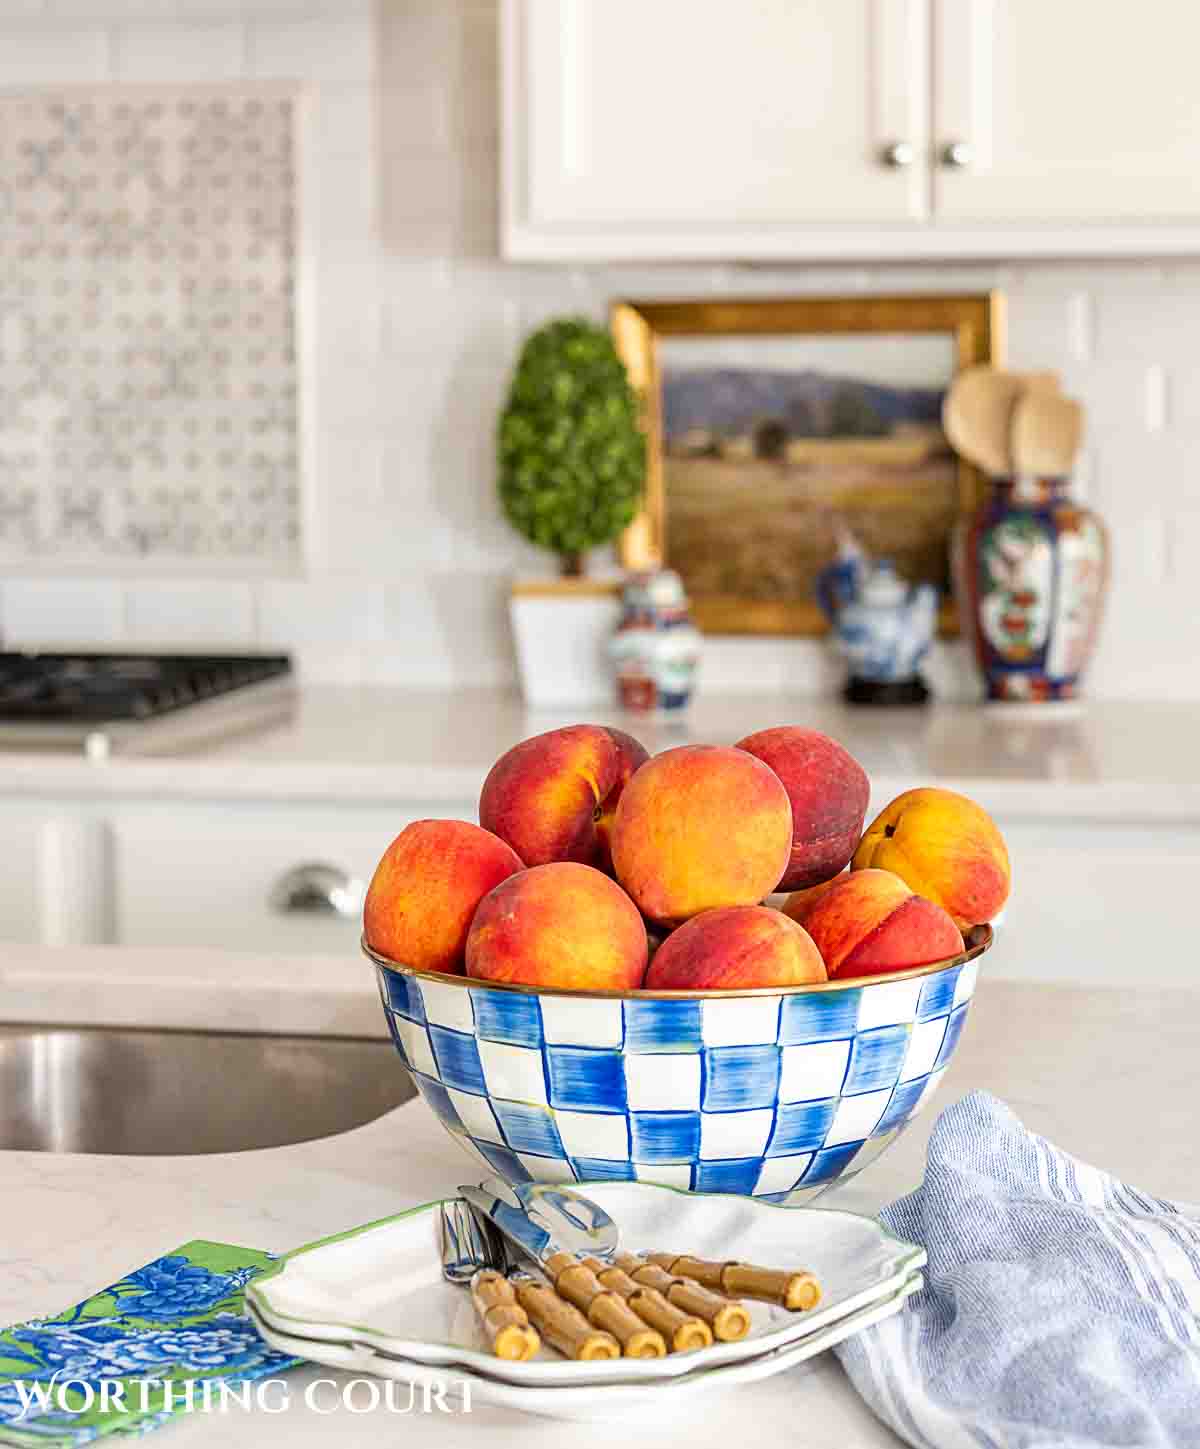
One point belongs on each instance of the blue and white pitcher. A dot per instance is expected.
(882, 626)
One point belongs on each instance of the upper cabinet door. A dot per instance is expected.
(1066, 111)
(710, 125)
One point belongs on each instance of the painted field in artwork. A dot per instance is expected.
(761, 467)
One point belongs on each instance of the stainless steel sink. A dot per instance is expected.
(153, 1093)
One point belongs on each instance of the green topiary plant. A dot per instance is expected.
(572, 458)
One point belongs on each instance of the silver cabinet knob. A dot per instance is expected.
(317, 889)
(957, 155)
(899, 154)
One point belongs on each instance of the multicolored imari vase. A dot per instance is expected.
(1032, 574)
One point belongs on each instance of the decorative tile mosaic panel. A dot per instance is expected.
(148, 379)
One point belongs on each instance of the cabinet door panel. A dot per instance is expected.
(1071, 110)
(20, 880)
(760, 114)
(199, 875)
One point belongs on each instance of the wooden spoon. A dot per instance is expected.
(978, 409)
(1046, 433)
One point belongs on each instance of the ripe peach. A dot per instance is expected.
(946, 848)
(426, 887)
(870, 921)
(552, 797)
(735, 946)
(828, 791)
(701, 826)
(798, 903)
(565, 925)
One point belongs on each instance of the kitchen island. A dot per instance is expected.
(1108, 1074)
(192, 845)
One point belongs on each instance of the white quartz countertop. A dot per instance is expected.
(1121, 761)
(1107, 1074)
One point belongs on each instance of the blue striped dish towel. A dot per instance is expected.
(1061, 1306)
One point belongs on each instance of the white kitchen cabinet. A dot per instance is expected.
(1069, 112)
(210, 875)
(20, 890)
(841, 129)
(54, 886)
(1092, 901)
(677, 114)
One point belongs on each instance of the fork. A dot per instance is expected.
(468, 1243)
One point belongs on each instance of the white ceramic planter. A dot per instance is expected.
(561, 630)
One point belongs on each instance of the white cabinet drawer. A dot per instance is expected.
(204, 875)
(21, 833)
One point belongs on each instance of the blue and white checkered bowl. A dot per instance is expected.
(772, 1093)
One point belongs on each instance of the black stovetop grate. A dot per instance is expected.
(65, 688)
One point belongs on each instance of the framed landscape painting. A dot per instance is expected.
(777, 425)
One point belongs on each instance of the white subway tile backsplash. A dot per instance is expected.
(344, 125)
(1183, 548)
(154, 54)
(474, 99)
(62, 611)
(336, 609)
(1081, 325)
(1147, 318)
(1183, 384)
(449, 310)
(190, 612)
(410, 326)
(325, 52)
(341, 206)
(1144, 471)
(1116, 394)
(1155, 397)
(115, 11)
(39, 57)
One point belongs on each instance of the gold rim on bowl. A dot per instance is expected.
(978, 940)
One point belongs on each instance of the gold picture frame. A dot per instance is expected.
(974, 323)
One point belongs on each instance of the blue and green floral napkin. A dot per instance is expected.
(180, 1318)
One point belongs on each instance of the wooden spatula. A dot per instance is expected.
(1046, 433)
(977, 413)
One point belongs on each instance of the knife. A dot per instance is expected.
(541, 1219)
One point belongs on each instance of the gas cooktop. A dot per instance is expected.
(96, 701)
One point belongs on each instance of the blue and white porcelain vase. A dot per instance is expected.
(655, 647)
(1032, 573)
(882, 626)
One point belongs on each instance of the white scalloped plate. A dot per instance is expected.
(380, 1287)
(622, 1399)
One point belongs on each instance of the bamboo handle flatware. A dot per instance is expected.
(638, 1306)
(561, 1324)
(605, 1309)
(795, 1291)
(681, 1331)
(509, 1332)
(728, 1320)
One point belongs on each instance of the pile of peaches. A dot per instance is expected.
(596, 867)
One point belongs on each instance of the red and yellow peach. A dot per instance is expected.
(870, 921)
(698, 827)
(946, 847)
(425, 890)
(552, 797)
(828, 791)
(732, 947)
(562, 925)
